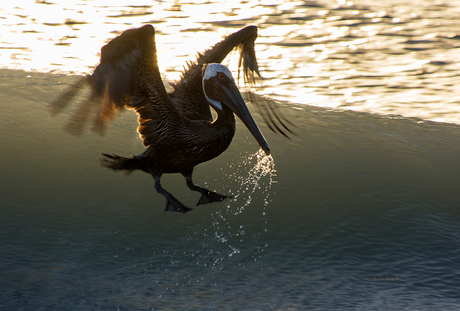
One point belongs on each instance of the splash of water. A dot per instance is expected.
(254, 188)
(236, 228)
(254, 181)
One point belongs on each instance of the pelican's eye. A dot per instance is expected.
(222, 77)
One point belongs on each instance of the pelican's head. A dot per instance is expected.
(220, 89)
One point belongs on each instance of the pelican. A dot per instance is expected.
(177, 129)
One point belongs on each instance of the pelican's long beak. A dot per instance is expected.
(235, 101)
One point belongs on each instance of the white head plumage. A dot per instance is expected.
(212, 70)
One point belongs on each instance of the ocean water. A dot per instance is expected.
(357, 212)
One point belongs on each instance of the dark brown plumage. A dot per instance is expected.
(177, 129)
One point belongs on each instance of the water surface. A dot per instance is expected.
(394, 57)
(358, 212)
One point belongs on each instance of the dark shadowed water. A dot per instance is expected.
(359, 212)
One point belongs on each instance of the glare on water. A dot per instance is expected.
(387, 57)
(353, 196)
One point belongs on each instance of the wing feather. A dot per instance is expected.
(190, 84)
(127, 76)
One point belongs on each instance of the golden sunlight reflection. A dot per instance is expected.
(66, 36)
(309, 52)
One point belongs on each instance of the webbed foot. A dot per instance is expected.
(176, 207)
(210, 197)
(172, 204)
(206, 195)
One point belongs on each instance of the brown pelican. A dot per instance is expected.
(177, 129)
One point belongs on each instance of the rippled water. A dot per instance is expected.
(357, 212)
(392, 57)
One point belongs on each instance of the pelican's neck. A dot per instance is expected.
(225, 117)
(216, 136)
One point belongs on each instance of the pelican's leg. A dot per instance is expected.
(206, 195)
(172, 205)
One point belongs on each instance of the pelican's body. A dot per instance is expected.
(177, 129)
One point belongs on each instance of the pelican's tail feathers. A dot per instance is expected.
(117, 163)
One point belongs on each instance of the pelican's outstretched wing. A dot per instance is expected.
(188, 95)
(117, 80)
(157, 114)
(115, 83)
